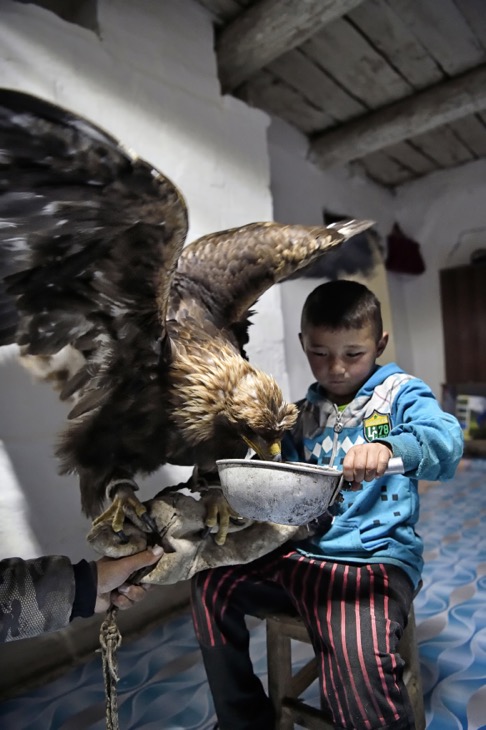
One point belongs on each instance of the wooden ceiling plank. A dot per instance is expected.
(350, 59)
(79, 12)
(472, 131)
(482, 117)
(385, 170)
(410, 158)
(223, 11)
(266, 30)
(275, 97)
(391, 36)
(443, 146)
(443, 30)
(304, 75)
(474, 12)
(426, 110)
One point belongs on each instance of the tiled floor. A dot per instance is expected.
(163, 684)
(451, 607)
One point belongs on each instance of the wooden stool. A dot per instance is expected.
(285, 688)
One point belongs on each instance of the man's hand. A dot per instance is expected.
(365, 462)
(113, 574)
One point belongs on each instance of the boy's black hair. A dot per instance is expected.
(342, 304)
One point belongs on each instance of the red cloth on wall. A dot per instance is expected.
(403, 255)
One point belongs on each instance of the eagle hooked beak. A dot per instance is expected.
(272, 452)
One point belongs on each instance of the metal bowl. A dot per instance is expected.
(284, 493)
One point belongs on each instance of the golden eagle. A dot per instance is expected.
(145, 336)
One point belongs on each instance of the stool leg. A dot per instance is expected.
(412, 678)
(279, 672)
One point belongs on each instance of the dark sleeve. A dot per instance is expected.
(37, 596)
(85, 583)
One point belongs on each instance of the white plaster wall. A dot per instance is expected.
(149, 79)
(446, 214)
(300, 193)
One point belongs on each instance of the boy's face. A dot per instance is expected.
(341, 360)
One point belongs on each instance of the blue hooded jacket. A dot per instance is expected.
(376, 523)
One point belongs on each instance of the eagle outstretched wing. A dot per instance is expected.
(89, 240)
(238, 265)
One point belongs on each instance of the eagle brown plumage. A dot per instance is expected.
(93, 265)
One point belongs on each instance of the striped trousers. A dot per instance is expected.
(355, 615)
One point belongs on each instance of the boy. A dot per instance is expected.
(354, 579)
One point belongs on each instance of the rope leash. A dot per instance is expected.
(110, 640)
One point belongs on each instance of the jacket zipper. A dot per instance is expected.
(338, 427)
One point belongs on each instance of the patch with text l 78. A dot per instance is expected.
(376, 426)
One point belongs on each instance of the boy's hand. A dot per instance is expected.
(366, 462)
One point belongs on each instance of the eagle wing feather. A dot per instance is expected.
(237, 266)
(89, 236)
(89, 241)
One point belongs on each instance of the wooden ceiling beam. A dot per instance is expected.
(433, 107)
(268, 29)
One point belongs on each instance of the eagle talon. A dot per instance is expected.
(122, 536)
(149, 522)
(236, 519)
(126, 508)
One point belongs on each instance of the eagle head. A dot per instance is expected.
(256, 409)
(223, 394)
